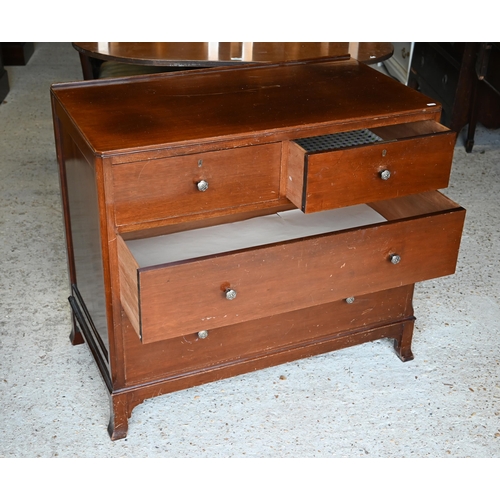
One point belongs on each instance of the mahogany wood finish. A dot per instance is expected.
(319, 181)
(145, 362)
(184, 55)
(241, 106)
(284, 277)
(131, 152)
(164, 188)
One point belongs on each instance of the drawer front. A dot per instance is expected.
(182, 298)
(262, 336)
(165, 188)
(363, 174)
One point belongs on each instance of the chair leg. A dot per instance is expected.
(469, 142)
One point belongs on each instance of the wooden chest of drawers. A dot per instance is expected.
(225, 220)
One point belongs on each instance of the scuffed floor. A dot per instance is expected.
(359, 402)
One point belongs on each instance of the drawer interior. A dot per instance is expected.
(431, 202)
(279, 227)
(337, 141)
(363, 137)
(274, 228)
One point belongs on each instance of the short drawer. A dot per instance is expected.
(195, 184)
(367, 165)
(396, 243)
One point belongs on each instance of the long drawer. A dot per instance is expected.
(265, 335)
(367, 165)
(417, 238)
(196, 184)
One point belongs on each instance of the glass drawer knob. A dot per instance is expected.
(395, 259)
(230, 294)
(349, 300)
(385, 174)
(202, 185)
(203, 334)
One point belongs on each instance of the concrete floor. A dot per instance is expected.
(359, 402)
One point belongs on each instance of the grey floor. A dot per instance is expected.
(359, 402)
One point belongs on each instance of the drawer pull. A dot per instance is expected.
(202, 185)
(395, 258)
(230, 294)
(385, 174)
(349, 300)
(203, 334)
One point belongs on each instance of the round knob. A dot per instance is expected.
(349, 300)
(230, 294)
(203, 334)
(395, 259)
(202, 185)
(385, 174)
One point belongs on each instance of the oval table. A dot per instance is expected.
(102, 59)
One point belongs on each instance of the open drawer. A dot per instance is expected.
(315, 259)
(367, 165)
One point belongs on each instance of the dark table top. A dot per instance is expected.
(206, 54)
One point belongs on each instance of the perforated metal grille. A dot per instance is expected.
(337, 141)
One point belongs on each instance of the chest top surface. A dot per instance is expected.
(174, 109)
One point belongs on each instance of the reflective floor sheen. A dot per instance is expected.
(359, 402)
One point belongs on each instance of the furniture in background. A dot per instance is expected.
(113, 59)
(446, 72)
(4, 81)
(485, 90)
(12, 54)
(231, 219)
(17, 53)
(398, 66)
